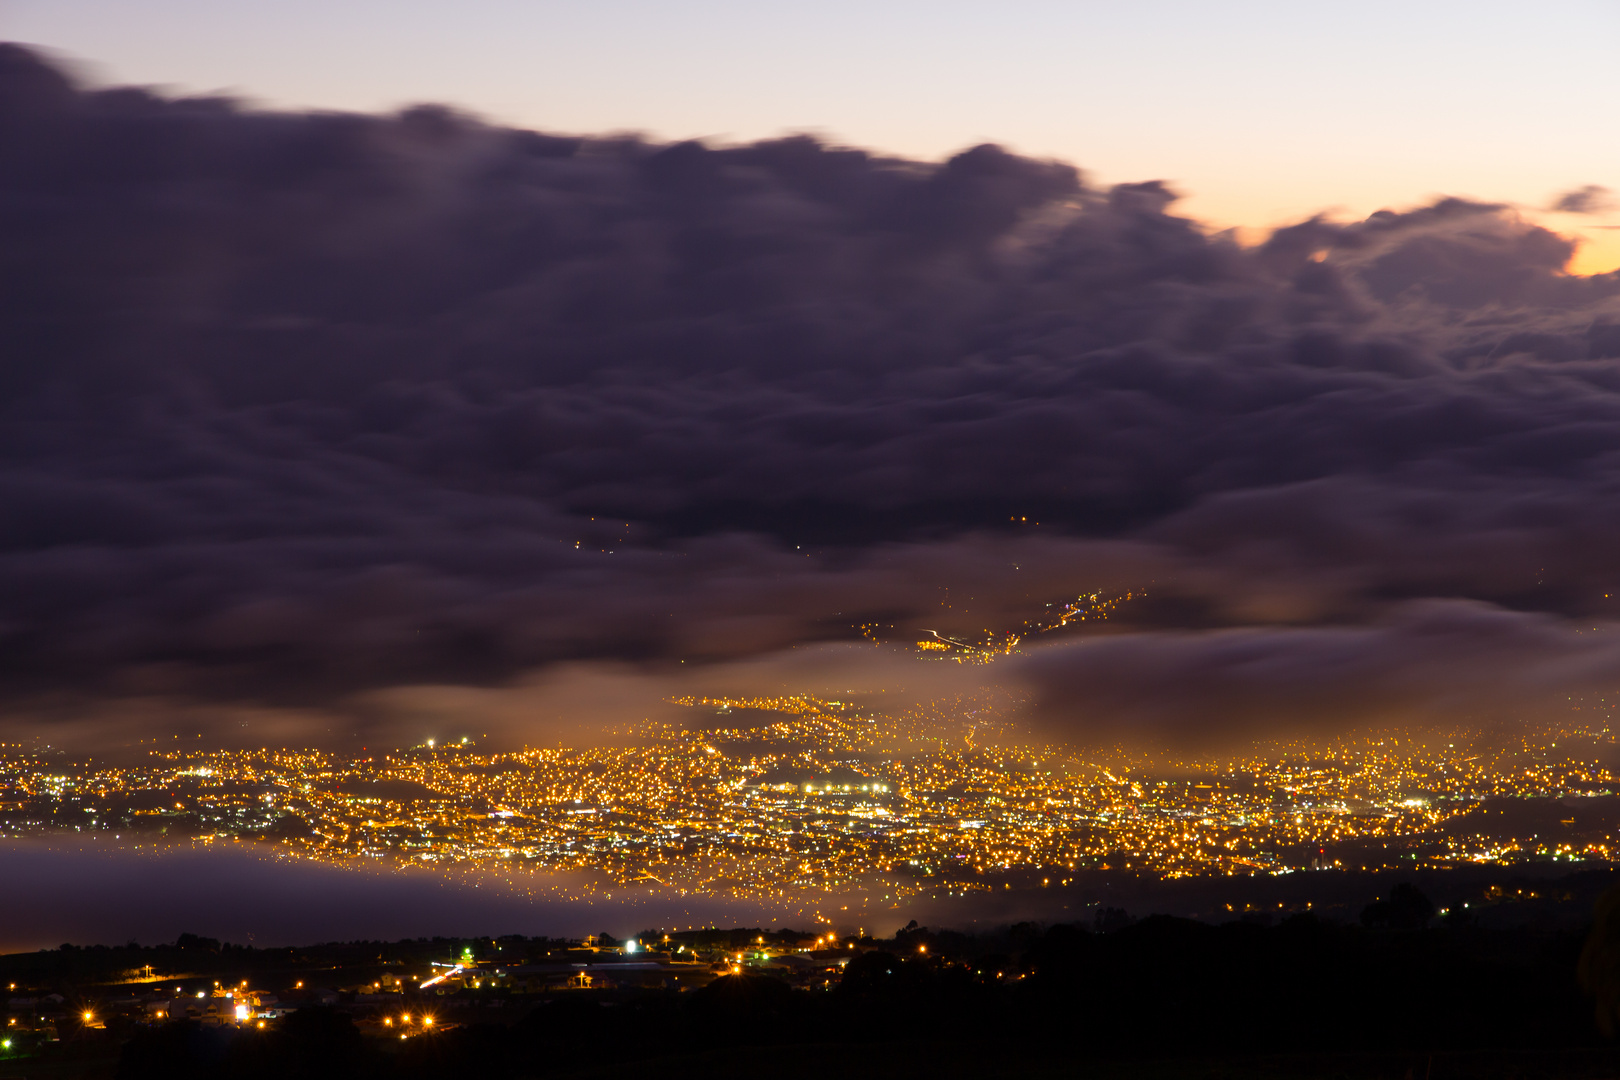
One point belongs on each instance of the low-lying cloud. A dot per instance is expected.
(1426, 663)
(302, 411)
(58, 892)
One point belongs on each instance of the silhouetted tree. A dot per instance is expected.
(1406, 909)
(1599, 966)
(1110, 919)
(192, 941)
(183, 1050)
(315, 1042)
(869, 975)
(1061, 953)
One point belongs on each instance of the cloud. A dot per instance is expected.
(314, 414)
(1426, 663)
(56, 892)
(1591, 199)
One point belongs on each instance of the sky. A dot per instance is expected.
(328, 425)
(316, 418)
(1260, 112)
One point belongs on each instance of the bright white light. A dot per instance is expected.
(630, 946)
(241, 1012)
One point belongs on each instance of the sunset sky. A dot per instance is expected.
(1260, 112)
(400, 388)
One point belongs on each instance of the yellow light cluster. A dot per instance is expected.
(944, 801)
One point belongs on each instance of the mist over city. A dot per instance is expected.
(534, 544)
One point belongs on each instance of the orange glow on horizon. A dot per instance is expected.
(1597, 243)
(1598, 253)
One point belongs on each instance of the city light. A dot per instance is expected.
(835, 796)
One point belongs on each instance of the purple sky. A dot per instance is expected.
(324, 428)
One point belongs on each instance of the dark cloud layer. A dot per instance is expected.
(1426, 663)
(298, 405)
(60, 892)
(1589, 199)
(56, 893)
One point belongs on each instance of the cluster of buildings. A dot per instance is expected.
(811, 797)
(430, 989)
(672, 961)
(51, 1015)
